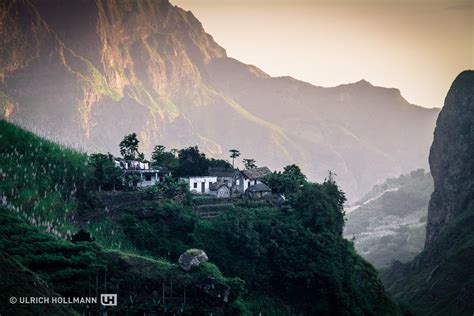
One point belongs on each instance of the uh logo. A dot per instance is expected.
(108, 299)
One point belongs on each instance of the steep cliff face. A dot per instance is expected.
(452, 158)
(87, 72)
(440, 281)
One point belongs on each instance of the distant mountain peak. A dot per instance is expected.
(363, 82)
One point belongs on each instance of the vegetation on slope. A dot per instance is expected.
(287, 260)
(47, 186)
(293, 259)
(85, 269)
(440, 280)
(41, 181)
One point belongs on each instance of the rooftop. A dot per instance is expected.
(215, 186)
(221, 171)
(256, 173)
(259, 187)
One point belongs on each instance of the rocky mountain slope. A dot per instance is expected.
(440, 281)
(88, 72)
(389, 223)
(452, 158)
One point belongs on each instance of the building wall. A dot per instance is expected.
(238, 186)
(145, 183)
(195, 184)
(248, 182)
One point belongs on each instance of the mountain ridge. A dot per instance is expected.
(84, 77)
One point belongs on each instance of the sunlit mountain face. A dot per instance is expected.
(88, 72)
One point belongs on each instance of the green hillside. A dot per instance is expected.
(39, 180)
(287, 260)
(43, 189)
(85, 269)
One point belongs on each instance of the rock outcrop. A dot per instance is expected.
(440, 280)
(452, 158)
(191, 259)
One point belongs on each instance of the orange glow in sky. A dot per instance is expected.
(416, 46)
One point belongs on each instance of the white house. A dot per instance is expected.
(200, 184)
(227, 182)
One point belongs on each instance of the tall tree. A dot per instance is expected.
(295, 174)
(221, 163)
(249, 163)
(106, 175)
(162, 158)
(129, 147)
(234, 153)
(191, 162)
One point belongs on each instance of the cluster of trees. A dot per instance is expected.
(183, 162)
(190, 161)
(287, 182)
(293, 260)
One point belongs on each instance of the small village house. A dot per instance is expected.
(199, 184)
(146, 175)
(220, 190)
(231, 178)
(258, 191)
(229, 182)
(254, 176)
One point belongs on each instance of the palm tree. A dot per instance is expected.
(234, 153)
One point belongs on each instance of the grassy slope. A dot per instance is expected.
(44, 184)
(85, 269)
(39, 180)
(41, 190)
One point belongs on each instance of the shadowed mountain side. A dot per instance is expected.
(440, 280)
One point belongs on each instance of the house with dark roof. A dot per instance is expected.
(220, 190)
(254, 176)
(231, 177)
(258, 191)
(229, 182)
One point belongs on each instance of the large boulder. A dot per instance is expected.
(192, 258)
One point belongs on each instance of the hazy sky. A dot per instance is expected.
(416, 46)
